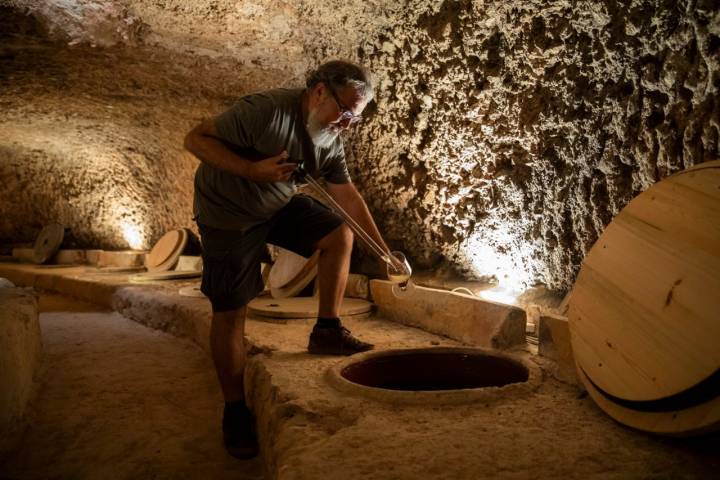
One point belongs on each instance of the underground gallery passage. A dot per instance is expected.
(363, 239)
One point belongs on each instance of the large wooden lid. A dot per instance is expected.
(645, 310)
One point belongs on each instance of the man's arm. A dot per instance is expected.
(203, 141)
(347, 196)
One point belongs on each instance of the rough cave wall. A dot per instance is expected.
(96, 98)
(508, 134)
(97, 95)
(504, 138)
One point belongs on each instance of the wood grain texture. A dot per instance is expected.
(643, 313)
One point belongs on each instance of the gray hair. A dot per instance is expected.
(340, 73)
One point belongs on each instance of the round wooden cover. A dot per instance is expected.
(644, 311)
(48, 242)
(166, 251)
(298, 282)
(303, 307)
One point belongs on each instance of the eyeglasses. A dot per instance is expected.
(345, 113)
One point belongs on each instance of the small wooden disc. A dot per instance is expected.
(286, 267)
(166, 275)
(303, 307)
(301, 280)
(48, 242)
(164, 255)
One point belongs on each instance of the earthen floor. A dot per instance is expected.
(311, 431)
(119, 400)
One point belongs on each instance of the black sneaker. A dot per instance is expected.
(335, 341)
(239, 434)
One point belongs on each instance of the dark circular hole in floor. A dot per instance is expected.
(436, 371)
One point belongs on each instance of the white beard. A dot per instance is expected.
(322, 137)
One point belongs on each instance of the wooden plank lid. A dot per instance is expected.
(645, 310)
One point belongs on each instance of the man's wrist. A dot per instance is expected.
(244, 168)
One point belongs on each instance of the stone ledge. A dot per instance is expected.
(309, 430)
(465, 318)
(20, 361)
(554, 344)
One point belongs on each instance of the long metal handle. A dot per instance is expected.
(377, 249)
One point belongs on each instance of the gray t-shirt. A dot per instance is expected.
(260, 126)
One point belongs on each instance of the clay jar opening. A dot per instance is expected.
(428, 370)
(437, 376)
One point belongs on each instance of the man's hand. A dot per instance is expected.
(273, 169)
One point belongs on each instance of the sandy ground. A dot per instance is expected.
(553, 432)
(122, 401)
(98, 416)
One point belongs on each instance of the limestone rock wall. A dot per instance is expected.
(505, 135)
(508, 134)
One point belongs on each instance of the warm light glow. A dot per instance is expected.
(506, 266)
(499, 295)
(133, 234)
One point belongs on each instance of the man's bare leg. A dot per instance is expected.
(333, 267)
(327, 338)
(227, 345)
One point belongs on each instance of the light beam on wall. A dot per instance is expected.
(499, 295)
(505, 265)
(133, 234)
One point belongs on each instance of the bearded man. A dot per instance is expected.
(245, 197)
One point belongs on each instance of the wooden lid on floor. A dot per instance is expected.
(644, 311)
(303, 307)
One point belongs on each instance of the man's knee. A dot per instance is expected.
(340, 239)
(230, 318)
